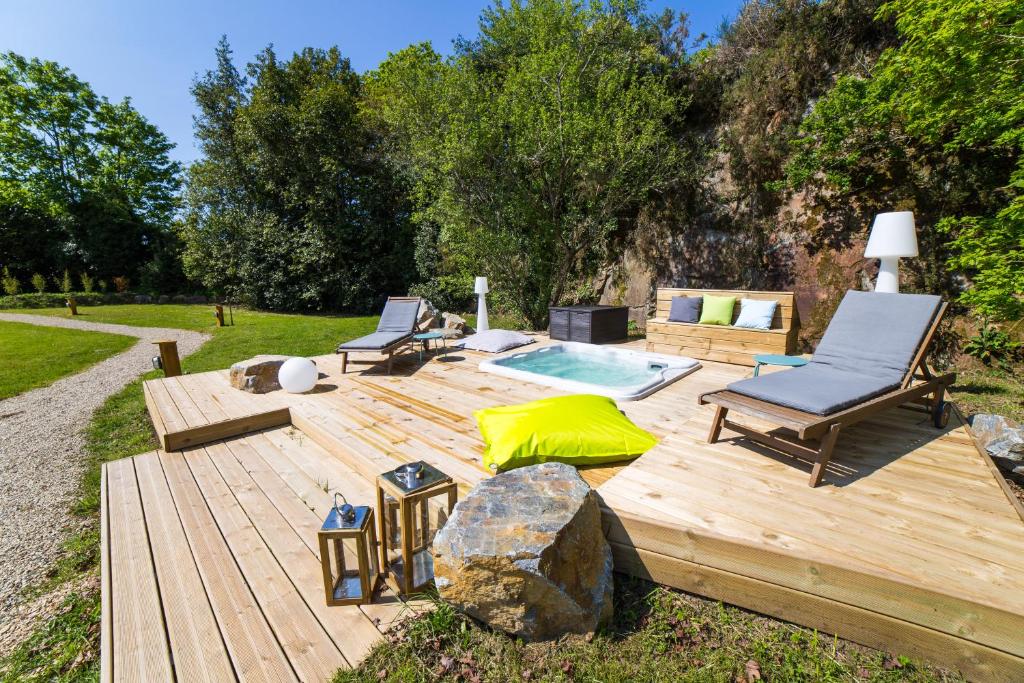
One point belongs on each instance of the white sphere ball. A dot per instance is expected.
(297, 375)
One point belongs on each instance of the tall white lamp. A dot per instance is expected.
(892, 237)
(481, 308)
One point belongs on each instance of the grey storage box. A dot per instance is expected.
(589, 324)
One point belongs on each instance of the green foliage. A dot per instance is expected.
(82, 180)
(535, 146)
(657, 635)
(10, 283)
(87, 283)
(66, 284)
(992, 345)
(936, 126)
(38, 283)
(293, 205)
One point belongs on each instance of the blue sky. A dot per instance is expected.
(151, 50)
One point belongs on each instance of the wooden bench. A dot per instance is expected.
(723, 343)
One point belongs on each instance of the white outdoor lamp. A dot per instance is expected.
(892, 237)
(481, 310)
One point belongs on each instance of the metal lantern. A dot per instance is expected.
(348, 553)
(409, 518)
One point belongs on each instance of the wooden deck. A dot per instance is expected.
(210, 561)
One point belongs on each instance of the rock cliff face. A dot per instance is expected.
(524, 553)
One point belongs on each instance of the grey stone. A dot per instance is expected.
(197, 299)
(257, 375)
(163, 299)
(524, 552)
(1002, 438)
(143, 299)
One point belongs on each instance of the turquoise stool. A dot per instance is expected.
(425, 337)
(777, 359)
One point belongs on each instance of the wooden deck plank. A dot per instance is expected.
(351, 631)
(198, 652)
(305, 504)
(138, 633)
(251, 644)
(106, 624)
(312, 652)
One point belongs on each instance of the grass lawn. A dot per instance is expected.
(32, 356)
(658, 634)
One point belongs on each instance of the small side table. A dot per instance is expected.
(425, 337)
(777, 359)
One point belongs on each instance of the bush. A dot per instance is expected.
(10, 283)
(66, 285)
(448, 293)
(87, 283)
(38, 283)
(56, 300)
(121, 284)
(992, 345)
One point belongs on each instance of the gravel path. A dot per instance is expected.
(42, 447)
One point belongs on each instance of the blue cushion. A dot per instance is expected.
(756, 314)
(685, 309)
(374, 341)
(814, 389)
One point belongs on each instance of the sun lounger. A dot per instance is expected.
(871, 358)
(394, 331)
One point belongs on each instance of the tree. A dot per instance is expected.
(82, 181)
(937, 125)
(293, 206)
(535, 147)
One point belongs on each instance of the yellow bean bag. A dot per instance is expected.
(577, 430)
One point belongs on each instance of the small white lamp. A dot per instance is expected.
(480, 288)
(297, 375)
(892, 237)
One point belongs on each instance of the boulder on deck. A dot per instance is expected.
(257, 375)
(524, 552)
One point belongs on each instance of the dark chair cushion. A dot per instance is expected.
(685, 309)
(866, 351)
(876, 333)
(815, 389)
(399, 316)
(374, 341)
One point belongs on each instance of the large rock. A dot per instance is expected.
(1003, 439)
(456, 323)
(426, 317)
(524, 552)
(257, 375)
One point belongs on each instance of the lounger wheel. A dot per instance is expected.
(941, 413)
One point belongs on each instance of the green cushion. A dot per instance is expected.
(717, 310)
(578, 430)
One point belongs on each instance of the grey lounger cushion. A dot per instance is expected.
(399, 316)
(866, 351)
(374, 341)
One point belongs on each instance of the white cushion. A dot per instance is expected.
(494, 341)
(756, 314)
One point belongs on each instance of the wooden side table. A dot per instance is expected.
(407, 564)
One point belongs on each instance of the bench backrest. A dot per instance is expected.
(786, 316)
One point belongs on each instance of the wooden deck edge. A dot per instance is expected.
(225, 429)
(106, 605)
(977, 662)
(910, 604)
(996, 472)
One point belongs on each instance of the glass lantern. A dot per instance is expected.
(348, 553)
(410, 515)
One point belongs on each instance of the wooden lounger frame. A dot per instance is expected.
(813, 437)
(388, 351)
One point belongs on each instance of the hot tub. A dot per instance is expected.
(578, 368)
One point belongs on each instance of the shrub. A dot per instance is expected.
(87, 283)
(38, 283)
(103, 285)
(66, 285)
(121, 284)
(992, 345)
(10, 283)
